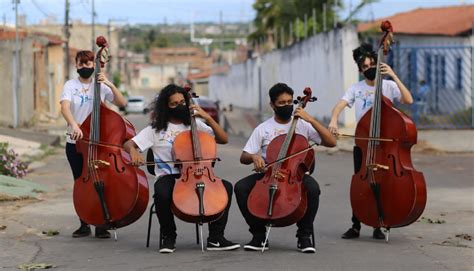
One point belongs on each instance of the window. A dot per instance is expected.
(145, 81)
(459, 84)
(428, 71)
(442, 70)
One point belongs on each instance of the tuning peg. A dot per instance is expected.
(313, 99)
(295, 101)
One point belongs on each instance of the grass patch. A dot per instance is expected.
(46, 151)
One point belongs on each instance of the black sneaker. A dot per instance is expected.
(221, 244)
(305, 245)
(350, 234)
(101, 233)
(256, 244)
(168, 244)
(378, 234)
(83, 231)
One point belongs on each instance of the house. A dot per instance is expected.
(155, 77)
(432, 51)
(200, 81)
(81, 37)
(196, 57)
(41, 76)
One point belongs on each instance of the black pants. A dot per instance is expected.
(164, 186)
(75, 162)
(257, 226)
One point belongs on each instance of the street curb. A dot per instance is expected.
(43, 138)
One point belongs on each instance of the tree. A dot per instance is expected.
(274, 15)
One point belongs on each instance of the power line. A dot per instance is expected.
(38, 7)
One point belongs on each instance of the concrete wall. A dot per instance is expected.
(56, 77)
(25, 92)
(322, 62)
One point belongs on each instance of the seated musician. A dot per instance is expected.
(361, 95)
(281, 97)
(170, 117)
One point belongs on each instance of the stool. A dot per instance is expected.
(153, 211)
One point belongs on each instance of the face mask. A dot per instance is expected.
(370, 73)
(180, 112)
(284, 112)
(85, 72)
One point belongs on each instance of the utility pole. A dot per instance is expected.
(67, 35)
(93, 26)
(324, 17)
(16, 70)
(222, 33)
(314, 22)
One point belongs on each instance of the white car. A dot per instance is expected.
(136, 104)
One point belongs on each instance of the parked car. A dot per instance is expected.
(136, 104)
(208, 105)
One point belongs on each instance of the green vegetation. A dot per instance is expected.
(274, 15)
(141, 38)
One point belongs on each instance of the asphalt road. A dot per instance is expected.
(424, 245)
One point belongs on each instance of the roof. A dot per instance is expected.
(8, 33)
(206, 73)
(445, 21)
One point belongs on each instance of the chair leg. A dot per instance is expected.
(149, 225)
(197, 234)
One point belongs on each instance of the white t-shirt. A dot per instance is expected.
(362, 95)
(269, 129)
(161, 143)
(81, 102)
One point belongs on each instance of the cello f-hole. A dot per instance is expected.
(209, 175)
(115, 163)
(395, 171)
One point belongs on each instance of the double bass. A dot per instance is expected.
(199, 196)
(110, 193)
(279, 198)
(386, 190)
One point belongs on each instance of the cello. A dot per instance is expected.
(110, 193)
(199, 196)
(279, 198)
(386, 190)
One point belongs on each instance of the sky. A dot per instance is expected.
(185, 11)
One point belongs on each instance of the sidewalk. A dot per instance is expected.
(31, 146)
(242, 122)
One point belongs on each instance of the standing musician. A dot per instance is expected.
(281, 97)
(171, 116)
(76, 104)
(361, 95)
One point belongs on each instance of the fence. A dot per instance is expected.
(440, 78)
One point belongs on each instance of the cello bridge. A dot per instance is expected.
(100, 164)
(279, 176)
(375, 167)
